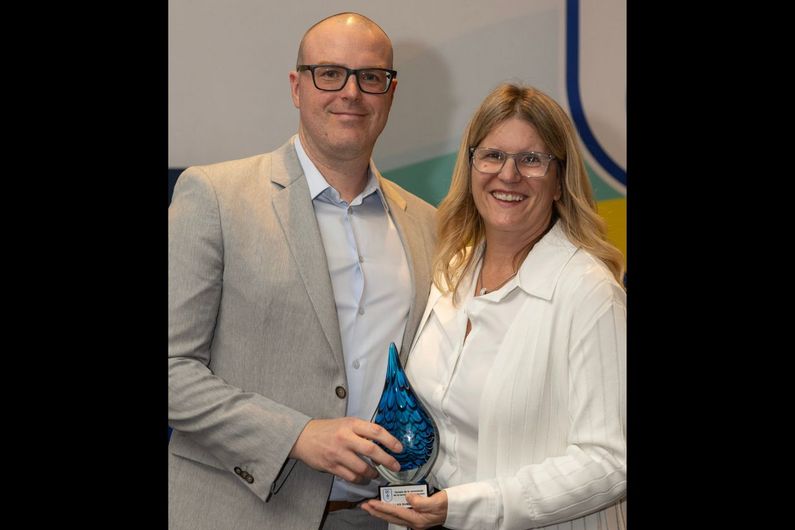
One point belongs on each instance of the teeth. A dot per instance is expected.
(507, 196)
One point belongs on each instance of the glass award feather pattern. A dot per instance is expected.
(402, 413)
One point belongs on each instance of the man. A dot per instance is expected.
(289, 275)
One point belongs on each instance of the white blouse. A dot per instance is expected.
(452, 383)
(531, 409)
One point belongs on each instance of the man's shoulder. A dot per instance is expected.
(244, 165)
(231, 167)
(244, 170)
(413, 202)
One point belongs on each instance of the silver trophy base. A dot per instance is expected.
(395, 494)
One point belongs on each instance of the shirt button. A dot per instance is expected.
(361, 259)
(350, 210)
(356, 364)
(361, 310)
(341, 392)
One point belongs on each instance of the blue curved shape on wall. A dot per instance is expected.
(573, 92)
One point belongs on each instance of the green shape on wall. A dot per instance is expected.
(602, 191)
(429, 179)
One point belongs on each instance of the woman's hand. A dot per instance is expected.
(425, 512)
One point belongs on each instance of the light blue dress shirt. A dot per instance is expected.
(372, 289)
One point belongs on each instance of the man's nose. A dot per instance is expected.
(351, 87)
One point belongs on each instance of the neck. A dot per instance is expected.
(496, 269)
(504, 254)
(347, 176)
(503, 247)
(348, 182)
(501, 253)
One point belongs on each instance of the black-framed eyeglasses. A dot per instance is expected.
(530, 164)
(332, 77)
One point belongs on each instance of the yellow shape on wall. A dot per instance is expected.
(614, 212)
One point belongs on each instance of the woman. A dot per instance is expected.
(521, 352)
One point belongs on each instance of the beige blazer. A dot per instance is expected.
(254, 341)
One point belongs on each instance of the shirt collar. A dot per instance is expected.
(318, 183)
(542, 267)
(540, 270)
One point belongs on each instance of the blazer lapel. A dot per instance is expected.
(419, 262)
(296, 215)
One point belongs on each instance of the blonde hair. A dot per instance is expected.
(460, 226)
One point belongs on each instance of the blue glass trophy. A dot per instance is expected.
(402, 413)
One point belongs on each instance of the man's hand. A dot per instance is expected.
(334, 446)
(425, 512)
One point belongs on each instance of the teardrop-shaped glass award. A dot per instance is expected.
(402, 413)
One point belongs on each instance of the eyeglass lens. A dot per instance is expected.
(373, 81)
(529, 164)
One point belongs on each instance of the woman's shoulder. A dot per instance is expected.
(586, 274)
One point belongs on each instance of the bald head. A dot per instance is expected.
(346, 21)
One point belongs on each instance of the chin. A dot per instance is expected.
(351, 146)
(515, 224)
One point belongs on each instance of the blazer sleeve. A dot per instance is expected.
(591, 474)
(243, 431)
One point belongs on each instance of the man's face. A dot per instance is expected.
(343, 125)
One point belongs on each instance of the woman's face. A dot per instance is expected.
(507, 201)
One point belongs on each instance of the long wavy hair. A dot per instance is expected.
(460, 225)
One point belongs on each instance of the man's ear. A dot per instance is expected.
(294, 77)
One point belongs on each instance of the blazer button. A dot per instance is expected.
(341, 393)
(238, 471)
(249, 479)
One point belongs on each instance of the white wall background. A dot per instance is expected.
(229, 94)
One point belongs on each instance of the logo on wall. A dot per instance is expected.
(596, 53)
